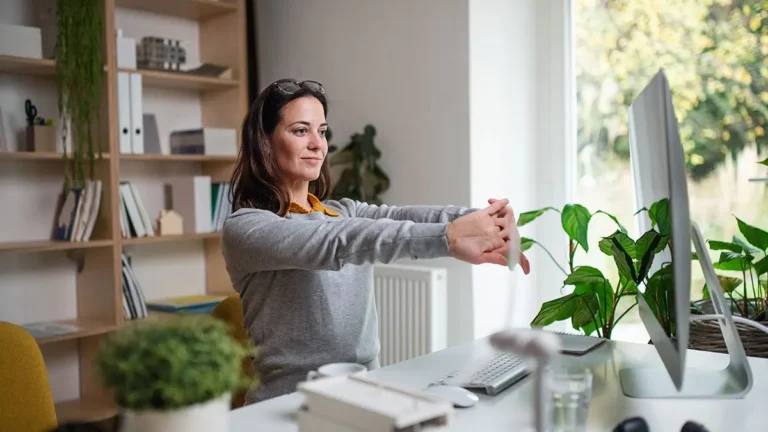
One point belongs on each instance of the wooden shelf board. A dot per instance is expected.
(50, 245)
(183, 81)
(189, 9)
(79, 410)
(40, 156)
(170, 238)
(88, 328)
(27, 66)
(177, 158)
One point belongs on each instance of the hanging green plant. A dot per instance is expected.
(79, 79)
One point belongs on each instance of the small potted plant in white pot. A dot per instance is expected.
(173, 375)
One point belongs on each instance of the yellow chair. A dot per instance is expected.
(26, 401)
(230, 310)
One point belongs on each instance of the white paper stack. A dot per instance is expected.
(357, 404)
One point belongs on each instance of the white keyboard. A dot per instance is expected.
(491, 374)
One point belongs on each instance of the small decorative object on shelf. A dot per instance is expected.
(41, 133)
(173, 375)
(160, 53)
(170, 223)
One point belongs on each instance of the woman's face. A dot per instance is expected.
(298, 141)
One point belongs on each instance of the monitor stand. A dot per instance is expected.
(732, 382)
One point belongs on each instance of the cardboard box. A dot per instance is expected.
(41, 139)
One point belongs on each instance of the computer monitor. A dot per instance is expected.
(658, 173)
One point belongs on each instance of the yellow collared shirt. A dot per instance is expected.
(316, 206)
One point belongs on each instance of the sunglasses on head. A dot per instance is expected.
(289, 86)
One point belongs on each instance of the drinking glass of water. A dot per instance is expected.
(570, 394)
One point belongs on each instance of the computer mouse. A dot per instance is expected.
(459, 396)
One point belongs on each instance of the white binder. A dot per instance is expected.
(124, 111)
(137, 115)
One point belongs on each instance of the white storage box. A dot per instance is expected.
(21, 41)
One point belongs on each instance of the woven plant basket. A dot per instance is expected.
(707, 336)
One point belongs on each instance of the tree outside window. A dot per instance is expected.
(715, 53)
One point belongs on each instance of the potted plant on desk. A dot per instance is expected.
(743, 263)
(592, 300)
(173, 375)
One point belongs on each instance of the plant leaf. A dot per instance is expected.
(733, 261)
(623, 260)
(720, 245)
(530, 216)
(587, 305)
(346, 156)
(761, 267)
(764, 162)
(556, 310)
(631, 286)
(648, 246)
(728, 284)
(745, 246)
(659, 285)
(754, 235)
(606, 244)
(575, 219)
(525, 244)
(584, 275)
(659, 214)
(603, 292)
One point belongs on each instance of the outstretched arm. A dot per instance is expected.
(257, 240)
(414, 213)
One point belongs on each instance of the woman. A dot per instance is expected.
(302, 264)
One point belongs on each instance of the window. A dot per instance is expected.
(715, 53)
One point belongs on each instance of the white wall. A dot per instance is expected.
(517, 144)
(400, 65)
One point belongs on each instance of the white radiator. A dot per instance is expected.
(412, 306)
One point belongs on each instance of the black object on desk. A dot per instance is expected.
(633, 424)
(576, 344)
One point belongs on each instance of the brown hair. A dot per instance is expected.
(256, 180)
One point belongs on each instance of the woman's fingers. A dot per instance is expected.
(525, 264)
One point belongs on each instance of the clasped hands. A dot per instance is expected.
(487, 236)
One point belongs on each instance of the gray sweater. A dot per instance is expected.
(306, 281)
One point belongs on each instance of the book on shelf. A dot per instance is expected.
(77, 212)
(191, 304)
(134, 219)
(42, 330)
(204, 141)
(134, 302)
(221, 205)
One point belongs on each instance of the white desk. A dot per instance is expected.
(511, 410)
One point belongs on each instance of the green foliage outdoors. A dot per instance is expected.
(174, 363)
(715, 53)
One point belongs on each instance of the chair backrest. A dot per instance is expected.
(230, 310)
(26, 401)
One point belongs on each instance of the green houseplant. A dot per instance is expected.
(362, 178)
(79, 79)
(592, 304)
(173, 375)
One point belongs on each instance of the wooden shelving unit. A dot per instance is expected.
(97, 263)
(27, 66)
(51, 246)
